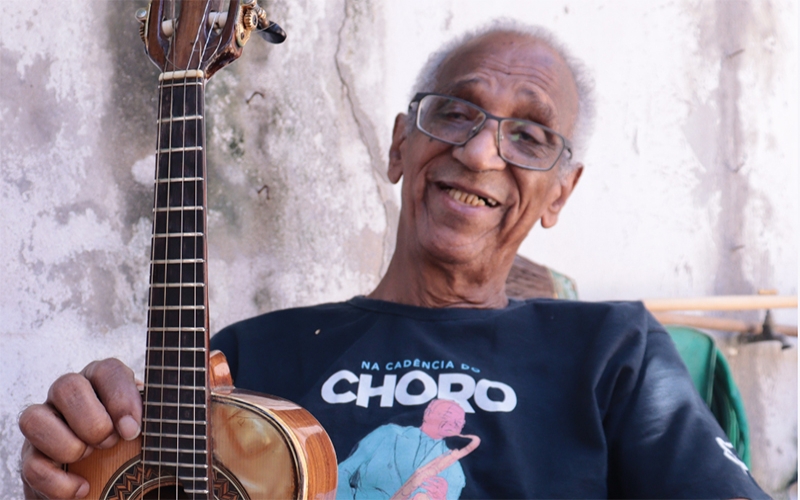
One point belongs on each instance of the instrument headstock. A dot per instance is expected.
(204, 35)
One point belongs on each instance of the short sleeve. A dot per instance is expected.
(663, 440)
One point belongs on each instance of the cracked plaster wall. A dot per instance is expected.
(690, 187)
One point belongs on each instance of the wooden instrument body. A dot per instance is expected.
(255, 455)
(263, 447)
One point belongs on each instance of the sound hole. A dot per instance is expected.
(133, 481)
(163, 492)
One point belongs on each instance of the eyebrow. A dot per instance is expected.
(536, 109)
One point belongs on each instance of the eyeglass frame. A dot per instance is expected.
(567, 145)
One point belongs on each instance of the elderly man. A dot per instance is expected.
(568, 399)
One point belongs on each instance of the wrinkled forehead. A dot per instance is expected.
(499, 65)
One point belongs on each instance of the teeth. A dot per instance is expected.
(470, 199)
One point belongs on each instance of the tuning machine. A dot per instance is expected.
(167, 25)
(254, 18)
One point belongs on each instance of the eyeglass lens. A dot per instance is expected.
(522, 142)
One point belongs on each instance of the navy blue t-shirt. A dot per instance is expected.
(557, 398)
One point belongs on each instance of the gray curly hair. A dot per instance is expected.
(426, 79)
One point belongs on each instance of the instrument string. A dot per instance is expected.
(168, 211)
(202, 44)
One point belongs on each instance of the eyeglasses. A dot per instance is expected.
(455, 121)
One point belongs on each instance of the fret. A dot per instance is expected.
(178, 273)
(179, 149)
(169, 386)
(172, 119)
(174, 179)
(195, 484)
(196, 491)
(170, 459)
(177, 397)
(201, 467)
(178, 221)
(187, 329)
(198, 208)
(177, 295)
(180, 135)
(193, 466)
(195, 377)
(175, 359)
(181, 100)
(167, 448)
(182, 406)
(177, 249)
(179, 442)
(193, 339)
(177, 413)
(156, 426)
(185, 368)
(200, 349)
(166, 235)
(177, 261)
(178, 286)
(179, 164)
(175, 318)
(179, 193)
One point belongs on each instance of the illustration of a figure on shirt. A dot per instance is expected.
(409, 462)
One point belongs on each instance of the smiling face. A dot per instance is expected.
(465, 204)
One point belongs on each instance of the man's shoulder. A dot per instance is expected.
(293, 316)
(566, 312)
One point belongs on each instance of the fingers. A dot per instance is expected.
(43, 477)
(116, 387)
(73, 396)
(83, 411)
(46, 430)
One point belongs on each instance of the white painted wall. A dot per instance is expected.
(690, 185)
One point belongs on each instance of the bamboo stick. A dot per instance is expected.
(721, 324)
(722, 303)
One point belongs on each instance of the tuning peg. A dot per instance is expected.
(257, 21)
(271, 32)
(141, 16)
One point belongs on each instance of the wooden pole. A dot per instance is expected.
(722, 303)
(721, 324)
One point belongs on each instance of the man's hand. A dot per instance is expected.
(435, 487)
(86, 410)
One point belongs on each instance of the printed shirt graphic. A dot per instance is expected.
(550, 398)
(403, 462)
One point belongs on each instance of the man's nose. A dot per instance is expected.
(481, 152)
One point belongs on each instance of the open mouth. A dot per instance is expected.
(469, 198)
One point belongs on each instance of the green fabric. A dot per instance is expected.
(712, 377)
(563, 286)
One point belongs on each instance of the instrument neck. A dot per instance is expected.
(176, 396)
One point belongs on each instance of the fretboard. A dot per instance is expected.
(176, 433)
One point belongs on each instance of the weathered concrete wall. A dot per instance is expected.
(299, 209)
(690, 187)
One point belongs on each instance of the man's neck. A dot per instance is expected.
(418, 282)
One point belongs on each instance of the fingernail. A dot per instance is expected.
(82, 491)
(128, 428)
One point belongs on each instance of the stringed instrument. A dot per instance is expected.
(201, 437)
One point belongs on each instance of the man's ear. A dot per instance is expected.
(566, 186)
(395, 154)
